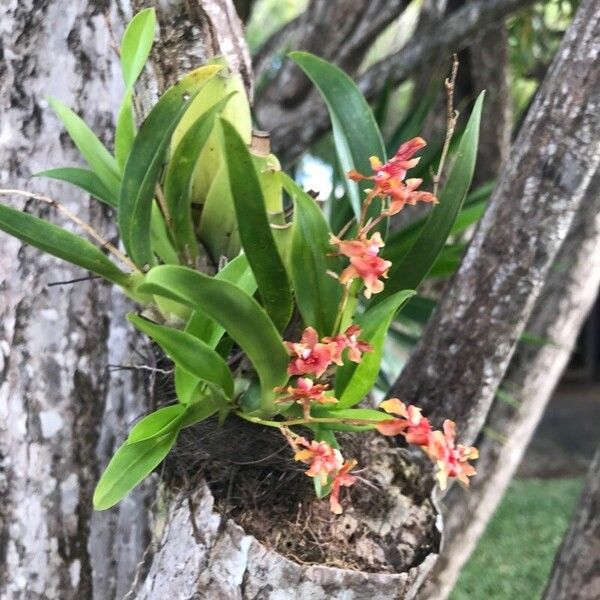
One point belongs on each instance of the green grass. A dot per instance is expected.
(514, 557)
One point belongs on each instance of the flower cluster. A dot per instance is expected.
(389, 182)
(327, 464)
(314, 356)
(451, 459)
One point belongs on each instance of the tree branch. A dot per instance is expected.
(463, 355)
(534, 371)
(293, 131)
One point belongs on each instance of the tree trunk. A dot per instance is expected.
(534, 371)
(489, 64)
(465, 350)
(576, 575)
(60, 408)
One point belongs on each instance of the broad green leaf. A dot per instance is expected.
(190, 353)
(93, 151)
(317, 293)
(61, 243)
(157, 424)
(255, 230)
(354, 381)
(355, 131)
(146, 160)
(416, 264)
(241, 316)
(83, 179)
(237, 272)
(206, 329)
(178, 178)
(159, 236)
(135, 49)
(130, 464)
(136, 44)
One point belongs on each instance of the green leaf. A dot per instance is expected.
(86, 180)
(180, 171)
(317, 293)
(136, 44)
(255, 230)
(206, 329)
(157, 424)
(354, 381)
(241, 316)
(135, 49)
(190, 353)
(61, 243)
(237, 272)
(125, 130)
(93, 151)
(130, 464)
(146, 160)
(355, 130)
(416, 264)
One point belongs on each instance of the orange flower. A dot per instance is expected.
(323, 459)
(349, 339)
(415, 428)
(450, 459)
(389, 178)
(364, 262)
(341, 479)
(305, 393)
(311, 356)
(403, 193)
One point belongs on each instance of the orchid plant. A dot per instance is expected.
(265, 312)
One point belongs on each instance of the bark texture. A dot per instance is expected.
(490, 69)
(294, 130)
(576, 572)
(221, 562)
(559, 313)
(465, 350)
(56, 342)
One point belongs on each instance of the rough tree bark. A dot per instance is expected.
(568, 294)
(56, 342)
(576, 575)
(62, 413)
(294, 128)
(464, 352)
(489, 69)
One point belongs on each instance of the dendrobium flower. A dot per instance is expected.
(310, 355)
(364, 262)
(415, 428)
(450, 459)
(389, 178)
(341, 479)
(305, 393)
(322, 458)
(350, 340)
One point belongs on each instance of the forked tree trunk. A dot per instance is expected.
(576, 574)
(534, 371)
